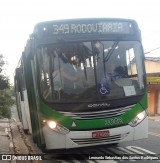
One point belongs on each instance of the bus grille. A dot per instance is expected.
(109, 139)
(98, 114)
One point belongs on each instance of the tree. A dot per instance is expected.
(4, 81)
(6, 100)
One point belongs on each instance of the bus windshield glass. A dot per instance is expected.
(92, 70)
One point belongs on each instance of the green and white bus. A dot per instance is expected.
(82, 82)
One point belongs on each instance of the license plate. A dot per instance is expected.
(100, 134)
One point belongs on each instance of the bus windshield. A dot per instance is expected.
(92, 70)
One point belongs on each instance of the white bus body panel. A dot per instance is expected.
(23, 113)
(55, 140)
(27, 111)
(24, 120)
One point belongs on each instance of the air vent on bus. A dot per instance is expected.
(98, 114)
(109, 139)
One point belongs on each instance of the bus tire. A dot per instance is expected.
(114, 144)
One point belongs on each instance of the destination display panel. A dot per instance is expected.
(106, 27)
(75, 27)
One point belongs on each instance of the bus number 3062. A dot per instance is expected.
(114, 121)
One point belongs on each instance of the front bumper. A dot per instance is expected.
(76, 139)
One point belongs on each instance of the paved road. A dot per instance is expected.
(5, 138)
(130, 152)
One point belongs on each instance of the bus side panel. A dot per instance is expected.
(29, 66)
(30, 94)
(37, 109)
(24, 118)
(20, 98)
(26, 108)
(18, 106)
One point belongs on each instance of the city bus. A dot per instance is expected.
(82, 82)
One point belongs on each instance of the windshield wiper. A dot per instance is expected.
(110, 52)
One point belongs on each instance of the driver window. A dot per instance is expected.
(45, 82)
(131, 62)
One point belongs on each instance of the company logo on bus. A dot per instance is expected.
(98, 105)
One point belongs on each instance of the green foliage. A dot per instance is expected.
(6, 93)
(4, 82)
(6, 101)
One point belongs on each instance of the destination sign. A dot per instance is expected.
(108, 27)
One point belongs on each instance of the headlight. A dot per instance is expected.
(52, 124)
(139, 118)
(57, 127)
